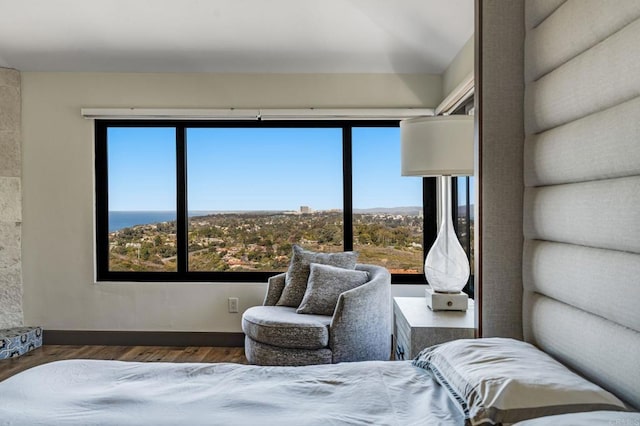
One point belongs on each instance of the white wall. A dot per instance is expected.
(58, 189)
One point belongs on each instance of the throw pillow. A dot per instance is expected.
(298, 273)
(325, 285)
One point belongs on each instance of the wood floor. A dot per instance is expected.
(49, 353)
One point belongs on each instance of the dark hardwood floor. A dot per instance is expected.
(49, 353)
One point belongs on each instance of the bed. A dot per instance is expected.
(468, 381)
(91, 392)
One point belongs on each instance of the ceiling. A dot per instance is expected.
(254, 36)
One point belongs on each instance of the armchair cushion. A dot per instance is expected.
(299, 270)
(283, 327)
(325, 285)
(263, 354)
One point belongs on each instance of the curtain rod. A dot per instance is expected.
(255, 114)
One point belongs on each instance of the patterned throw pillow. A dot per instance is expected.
(325, 285)
(298, 272)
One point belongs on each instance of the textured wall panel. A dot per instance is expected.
(9, 108)
(604, 282)
(501, 100)
(564, 35)
(10, 246)
(10, 153)
(601, 77)
(601, 214)
(601, 350)
(536, 12)
(10, 200)
(600, 146)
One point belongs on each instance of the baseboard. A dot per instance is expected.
(142, 338)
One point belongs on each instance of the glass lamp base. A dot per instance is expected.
(446, 266)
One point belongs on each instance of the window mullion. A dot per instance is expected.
(468, 216)
(182, 219)
(347, 191)
(454, 204)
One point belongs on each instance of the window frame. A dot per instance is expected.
(429, 198)
(466, 245)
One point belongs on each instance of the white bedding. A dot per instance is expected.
(91, 392)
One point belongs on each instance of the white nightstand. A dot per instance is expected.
(415, 326)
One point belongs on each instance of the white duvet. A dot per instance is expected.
(91, 392)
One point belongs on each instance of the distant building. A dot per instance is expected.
(305, 209)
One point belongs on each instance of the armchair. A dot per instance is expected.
(358, 330)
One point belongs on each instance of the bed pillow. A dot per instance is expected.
(325, 285)
(592, 418)
(295, 283)
(498, 380)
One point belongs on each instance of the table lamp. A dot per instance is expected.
(441, 146)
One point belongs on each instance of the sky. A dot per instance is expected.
(256, 169)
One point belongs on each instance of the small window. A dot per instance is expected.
(142, 199)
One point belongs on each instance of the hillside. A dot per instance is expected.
(262, 241)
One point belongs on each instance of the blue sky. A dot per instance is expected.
(256, 169)
(142, 163)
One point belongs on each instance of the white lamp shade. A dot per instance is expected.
(437, 146)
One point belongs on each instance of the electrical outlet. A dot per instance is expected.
(233, 304)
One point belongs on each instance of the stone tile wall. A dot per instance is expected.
(10, 200)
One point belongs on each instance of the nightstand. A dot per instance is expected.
(415, 326)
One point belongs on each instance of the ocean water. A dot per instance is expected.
(119, 220)
(124, 219)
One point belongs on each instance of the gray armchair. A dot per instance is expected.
(358, 330)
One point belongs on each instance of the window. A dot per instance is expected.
(225, 201)
(141, 229)
(253, 192)
(388, 208)
(462, 194)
